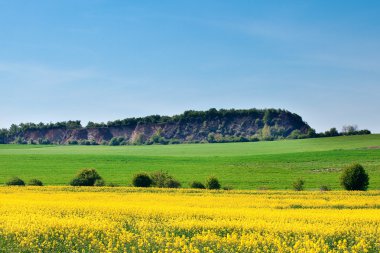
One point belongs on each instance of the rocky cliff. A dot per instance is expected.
(190, 127)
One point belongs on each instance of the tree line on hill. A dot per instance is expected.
(213, 126)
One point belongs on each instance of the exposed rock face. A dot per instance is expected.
(192, 126)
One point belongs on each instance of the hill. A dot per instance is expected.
(253, 165)
(190, 127)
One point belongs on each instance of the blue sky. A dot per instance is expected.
(105, 60)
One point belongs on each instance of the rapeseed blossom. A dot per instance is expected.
(69, 219)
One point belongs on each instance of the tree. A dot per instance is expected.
(197, 185)
(15, 181)
(100, 182)
(162, 179)
(332, 132)
(35, 182)
(266, 133)
(86, 177)
(354, 178)
(114, 141)
(141, 180)
(349, 129)
(211, 137)
(311, 133)
(3, 136)
(269, 115)
(212, 183)
(298, 185)
(295, 134)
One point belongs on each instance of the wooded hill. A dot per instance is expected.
(190, 127)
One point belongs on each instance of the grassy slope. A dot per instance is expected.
(272, 165)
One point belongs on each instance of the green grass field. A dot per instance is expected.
(269, 165)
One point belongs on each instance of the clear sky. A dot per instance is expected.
(105, 60)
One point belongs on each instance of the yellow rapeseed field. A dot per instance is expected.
(69, 219)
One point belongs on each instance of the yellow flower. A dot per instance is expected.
(65, 219)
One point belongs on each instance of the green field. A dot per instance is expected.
(267, 165)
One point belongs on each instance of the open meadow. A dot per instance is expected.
(103, 219)
(257, 165)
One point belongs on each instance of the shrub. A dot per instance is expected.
(112, 185)
(43, 141)
(172, 183)
(295, 134)
(227, 188)
(35, 182)
(15, 181)
(298, 185)
(88, 142)
(212, 183)
(325, 188)
(86, 177)
(79, 182)
(354, 177)
(116, 141)
(159, 178)
(20, 140)
(99, 182)
(164, 180)
(197, 185)
(174, 141)
(141, 180)
(73, 142)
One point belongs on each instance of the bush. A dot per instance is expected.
(212, 183)
(86, 177)
(43, 141)
(354, 177)
(141, 180)
(298, 185)
(87, 142)
(117, 141)
(325, 188)
(35, 182)
(164, 180)
(295, 134)
(15, 181)
(197, 185)
(172, 183)
(159, 178)
(104, 143)
(99, 182)
(79, 182)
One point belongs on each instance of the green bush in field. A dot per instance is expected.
(15, 181)
(141, 180)
(325, 188)
(99, 182)
(212, 183)
(86, 177)
(35, 182)
(298, 185)
(162, 179)
(354, 178)
(172, 183)
(79, 182)
(197, 185)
